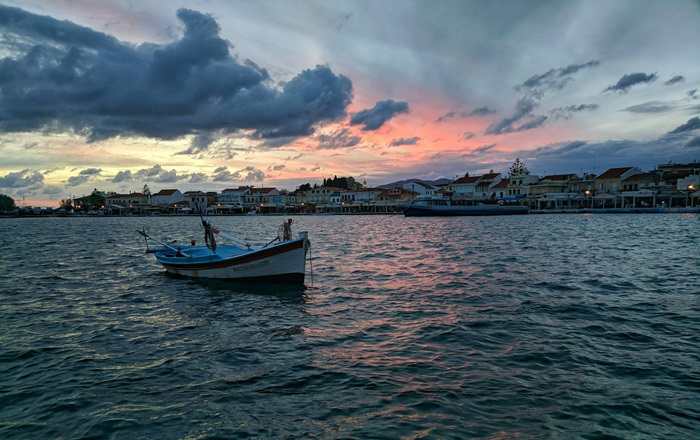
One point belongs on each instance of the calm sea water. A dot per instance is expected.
(499, 328)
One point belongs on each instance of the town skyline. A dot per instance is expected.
(224, 94)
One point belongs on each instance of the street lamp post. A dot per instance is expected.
(691, 188)
(588, 196)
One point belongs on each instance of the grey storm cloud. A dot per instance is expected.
(375, 117)
(342, 138)
(694, 142)
(122, 176)
(599, 156)
(629, 80)
(675, 80)
(200, 143)
(483, 149)
(83, 176)
(22, 179)
(568, 111)
(690, 125)
(158, 174)
(693, 94)
(651, 107)
(404, 141)
(197, 178)
(534, 89)
(454, 114)
(523, 109)
(247, 174)
(555, 78)
(66, 77)
(482, 111)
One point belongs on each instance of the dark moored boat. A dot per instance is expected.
(429, 207)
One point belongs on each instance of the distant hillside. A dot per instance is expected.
(400, 183)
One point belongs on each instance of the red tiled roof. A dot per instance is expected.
(118, 196)
(558, 177)
(502, 184)
(641, 176)
(165, 192)
(614, 173)
(467, 179)
(490, 176)
(262, 190)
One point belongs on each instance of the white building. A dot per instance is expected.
(690, 183)
(166, 197)
(196, 199)
(234, 197)
(421, 188)
(362, 196)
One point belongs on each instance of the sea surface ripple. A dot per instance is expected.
(522, 327)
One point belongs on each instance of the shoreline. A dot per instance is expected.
(689, 210)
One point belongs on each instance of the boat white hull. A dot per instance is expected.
(280, 263)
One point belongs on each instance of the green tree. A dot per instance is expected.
(7, 203)
(518, 168)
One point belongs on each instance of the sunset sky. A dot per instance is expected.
(215, 94)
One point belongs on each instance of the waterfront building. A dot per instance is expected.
(125, 203)
(264, 197)
(166, 197)
(421, 189)
(95, 200)
(556, 191)
(485, 185)
(196, 200)
(234, 197)
(464, 187)
(519, 186)
(671, 172)
(640, 190)
(610, 182)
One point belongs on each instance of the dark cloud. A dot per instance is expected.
(375, 117)
(404, 141)
(200, 143)
(482, 149)
(534, 122)
(481, 111)
(523, 111)
(71, 78)
(52, 190)
(454, 114)
(629, 80)
(534, 89)
(247, 174)
(276, 167)
(342, 138)
(122, 176)
(694, 142)
(197, 178)
(158, 174)
(675, 80)
(650, 107)
(83, 176)
(554, 78)
(568, 111)
(22, 179)
(289, 158)
(468, 135)
(693, 94)
(581, 156)
(690, 125)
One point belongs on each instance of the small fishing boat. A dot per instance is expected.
(282, 259)
(432, 206)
